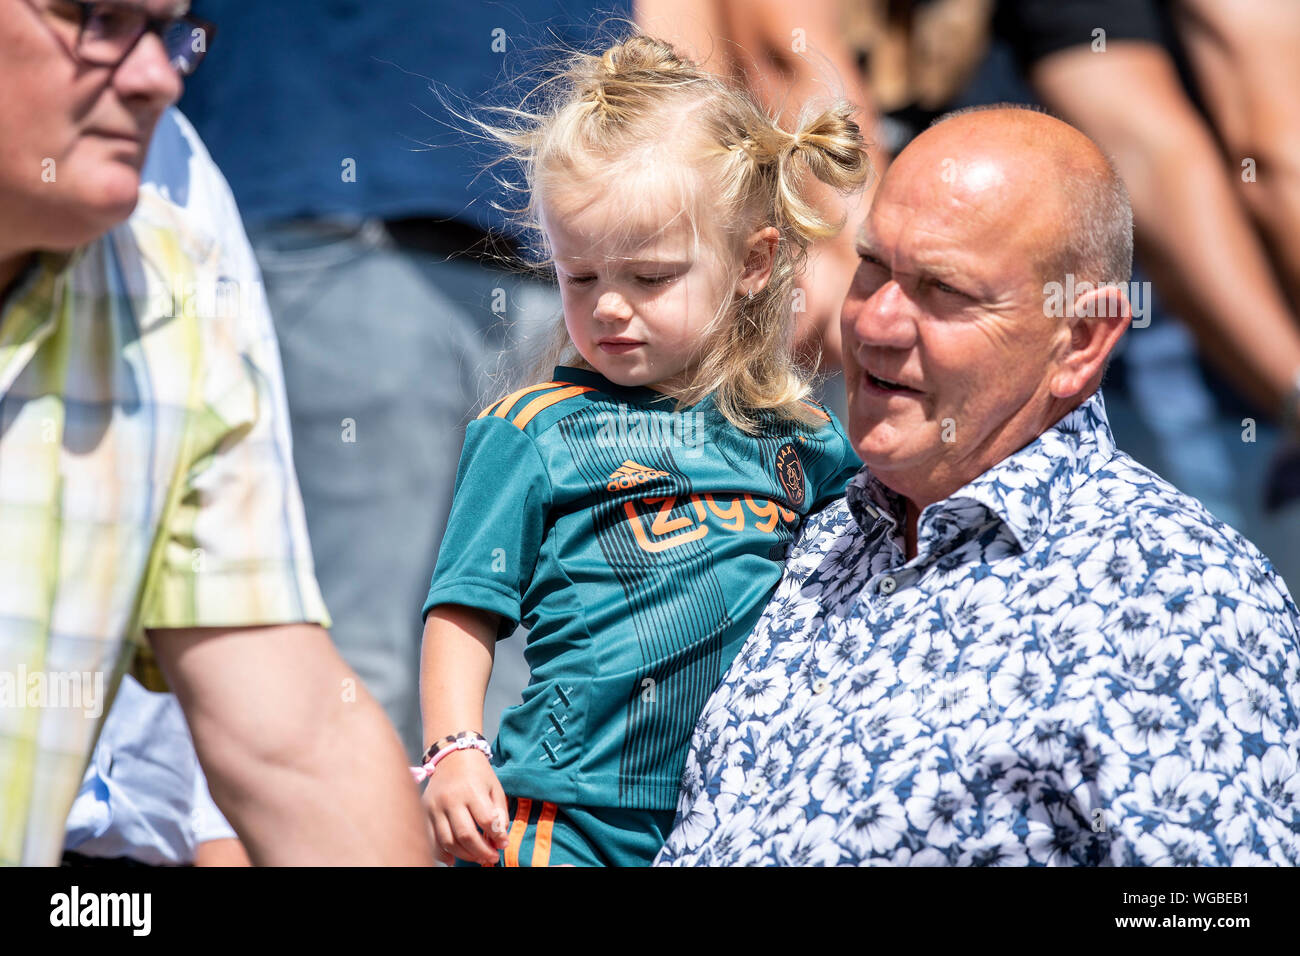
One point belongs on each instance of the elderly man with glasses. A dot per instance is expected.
(147, 496)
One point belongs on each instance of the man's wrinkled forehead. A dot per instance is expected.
(944, 194)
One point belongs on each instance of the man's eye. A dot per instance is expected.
(947, 289)
(65, 9)
(871, 260)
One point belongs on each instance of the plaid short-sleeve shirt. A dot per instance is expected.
(146, 481)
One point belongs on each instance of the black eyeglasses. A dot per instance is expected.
(110, 30)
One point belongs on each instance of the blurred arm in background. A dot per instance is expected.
(1246, 58)
(1192, 231)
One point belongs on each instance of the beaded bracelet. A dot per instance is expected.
(466, 740)
(452, 740)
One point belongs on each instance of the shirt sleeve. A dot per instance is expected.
(233, 549)
(497, 523)
(840, 464)
(1198, 768)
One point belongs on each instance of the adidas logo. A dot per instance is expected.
(630, 474)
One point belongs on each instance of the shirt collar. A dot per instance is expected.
(1024, 491)
(591, 379)
(28, 315)
(639, 394)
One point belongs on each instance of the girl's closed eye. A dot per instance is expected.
(651, 281)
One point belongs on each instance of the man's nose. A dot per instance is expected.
(883, 319)
(147, 74)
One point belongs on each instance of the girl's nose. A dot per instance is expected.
(612, 307)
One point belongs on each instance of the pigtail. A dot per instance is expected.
(829, 146)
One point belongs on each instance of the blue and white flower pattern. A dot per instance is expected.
(1081, 666)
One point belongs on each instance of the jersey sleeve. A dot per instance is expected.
(837, 466)
(496, 526)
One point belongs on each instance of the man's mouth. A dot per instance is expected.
(887, 385)
(121, 136)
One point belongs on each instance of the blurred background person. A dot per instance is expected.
(144, 799)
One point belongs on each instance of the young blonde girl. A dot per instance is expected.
(633, 510)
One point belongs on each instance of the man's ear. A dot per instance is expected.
(1098, 319)
(760, 255)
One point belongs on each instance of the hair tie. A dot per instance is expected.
(597, 95)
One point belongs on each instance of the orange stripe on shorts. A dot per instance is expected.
(517, 831)
(542, 840)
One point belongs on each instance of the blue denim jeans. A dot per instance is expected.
(386, 354)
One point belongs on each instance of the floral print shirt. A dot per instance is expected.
(1080, 666)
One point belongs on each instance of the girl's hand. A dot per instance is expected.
(464, 796)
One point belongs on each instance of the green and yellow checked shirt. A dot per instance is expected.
(146, 481)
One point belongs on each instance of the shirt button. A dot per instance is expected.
(756, 786)
(820, 686)
(888, 584)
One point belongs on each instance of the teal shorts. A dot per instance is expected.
(543, 834)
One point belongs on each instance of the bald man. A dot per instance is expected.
(1010, 643)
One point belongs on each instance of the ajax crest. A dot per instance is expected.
(789, 471)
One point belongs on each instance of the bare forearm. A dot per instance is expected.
(455, 666)
(345, 800)
(799, 54)
(694, 29)
(298, 755)
(223, 852)
(1223, 287)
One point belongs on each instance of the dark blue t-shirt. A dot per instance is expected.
(297, 97)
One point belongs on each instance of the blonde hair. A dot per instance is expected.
(603, 116)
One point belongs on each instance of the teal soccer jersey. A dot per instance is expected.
(639, 546)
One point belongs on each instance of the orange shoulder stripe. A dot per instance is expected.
(817, 410)
(546, 401)
(503, 405)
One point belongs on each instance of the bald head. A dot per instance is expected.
(1025, 163)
